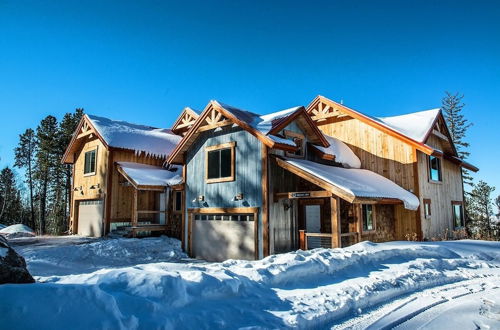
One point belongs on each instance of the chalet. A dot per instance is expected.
(232, 183)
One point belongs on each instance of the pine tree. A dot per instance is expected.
(480, 208)
(452, 107)
(10, 198)
(25, 158)
(46, 156)
(497, 203)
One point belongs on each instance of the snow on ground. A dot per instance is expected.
(74, 254)
(18, 230)
(396, 284)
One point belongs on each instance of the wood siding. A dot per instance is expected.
(87, 181)
(383, 154)
(440, 194)
(248, 174)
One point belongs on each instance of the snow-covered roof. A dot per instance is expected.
(261, 123)
(414, 125)
(149, 175)
(357, 182)
(342, 153)
(121, 134)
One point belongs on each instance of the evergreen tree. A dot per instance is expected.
(25, 158)
(452, 107)
(497, 203)
(480, 209)
(10, 198)
(46, 156)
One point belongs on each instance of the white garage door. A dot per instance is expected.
(218, 237)
(90, 216)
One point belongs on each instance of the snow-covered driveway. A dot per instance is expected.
(397, 284)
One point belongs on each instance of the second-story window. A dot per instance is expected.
(90, 162)
(219, 163)
(435, 173)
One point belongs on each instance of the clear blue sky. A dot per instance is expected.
(143, 61)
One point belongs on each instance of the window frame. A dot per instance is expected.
(95, 162)
(294, 135)
(374, 219)
(229, 145)
(427, 201)
(462, 215)
(177, 194)
(429, 169)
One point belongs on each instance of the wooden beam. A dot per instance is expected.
(303, 194)
(335, 221)
(265, 201)
(315, 180)
(135, 215)
(440, 135)
(213, 126)
(84, 134)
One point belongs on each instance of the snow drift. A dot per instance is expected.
(299, 289)
(18, 230)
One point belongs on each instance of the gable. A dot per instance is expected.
(324, 111)
(216, 116)
(84, 133)
(185, 121)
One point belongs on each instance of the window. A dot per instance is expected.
(368, 217)
(89, 166)
(224, 217)
(458, 214)
(178, 201)
(427, 208)
(435, 168)
(219, 163)
(299, 141)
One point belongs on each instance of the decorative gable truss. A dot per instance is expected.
(213, 120)
(85, 130)
(185, 121)
(324, 113)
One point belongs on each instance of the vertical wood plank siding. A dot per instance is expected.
(440, 194)
(385, 155)
(248, 173)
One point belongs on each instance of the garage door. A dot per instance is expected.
(90, 216)
(218, 237)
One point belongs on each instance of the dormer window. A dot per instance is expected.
(299, 141)
(435, 173)
(90, 162)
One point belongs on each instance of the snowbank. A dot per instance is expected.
(2, 226)
(18, 230)
(62, 259)
(299, 289)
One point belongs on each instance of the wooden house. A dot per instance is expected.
(121, 180)
(262, 184)
(232, 183)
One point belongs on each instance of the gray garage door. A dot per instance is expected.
(218, 237)
(90, 216)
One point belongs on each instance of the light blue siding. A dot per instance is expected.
(248, 173)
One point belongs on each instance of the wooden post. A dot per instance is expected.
(359, 221)
(335, 218)
(265, 204)
(302, 239)
(134, 212)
